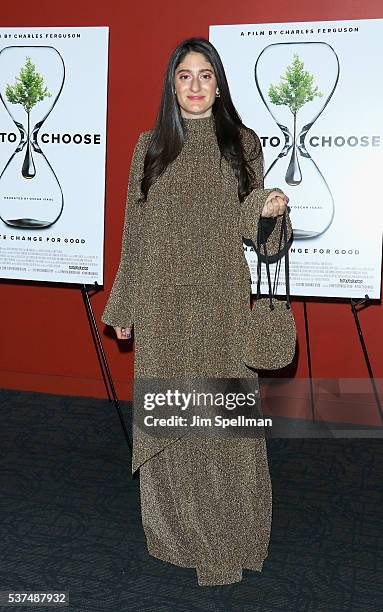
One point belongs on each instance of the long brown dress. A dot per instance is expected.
(184, 282)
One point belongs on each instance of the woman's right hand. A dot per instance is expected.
(275, 204)
(123, 333)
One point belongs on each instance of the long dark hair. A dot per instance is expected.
(168, 135)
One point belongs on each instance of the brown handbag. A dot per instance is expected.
(271, 333)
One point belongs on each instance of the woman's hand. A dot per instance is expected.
(123, 333)
(275, 204)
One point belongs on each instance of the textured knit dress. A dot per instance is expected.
(184, 282)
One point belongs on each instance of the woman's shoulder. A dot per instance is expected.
(251, 142)
(144, 137)
(141, 146)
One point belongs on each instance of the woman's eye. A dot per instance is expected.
(206, 76)
(184, 76)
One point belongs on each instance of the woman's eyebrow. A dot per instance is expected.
(187, 70)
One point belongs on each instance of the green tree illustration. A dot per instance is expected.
(295, 89)
(29, 87)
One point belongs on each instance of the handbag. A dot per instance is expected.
(271, 332)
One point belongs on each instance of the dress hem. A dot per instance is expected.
(210, 576)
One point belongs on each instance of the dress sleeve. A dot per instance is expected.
(253, 204)
(119, 309)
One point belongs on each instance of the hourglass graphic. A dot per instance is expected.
(31, 80)
(296, 82)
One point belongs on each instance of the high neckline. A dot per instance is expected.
(199, 126)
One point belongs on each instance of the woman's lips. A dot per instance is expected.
(196, 97)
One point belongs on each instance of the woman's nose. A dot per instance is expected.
(195, 84)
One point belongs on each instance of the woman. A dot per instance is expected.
(195, 189)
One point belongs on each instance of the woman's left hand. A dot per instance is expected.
(275, 204)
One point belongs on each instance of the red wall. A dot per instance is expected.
(45, 342)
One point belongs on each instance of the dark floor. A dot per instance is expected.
(70, 519)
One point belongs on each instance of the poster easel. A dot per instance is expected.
(87, 291)
(355, 303)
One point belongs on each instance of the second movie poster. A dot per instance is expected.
(312, 91)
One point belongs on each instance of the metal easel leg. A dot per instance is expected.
(312, 403)
(107, 378)
(364, 302)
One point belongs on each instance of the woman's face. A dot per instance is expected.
(195, 85)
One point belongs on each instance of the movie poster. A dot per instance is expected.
(53, 103)
(313, 91)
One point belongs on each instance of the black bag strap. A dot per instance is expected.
(261, 242)
(266, 260)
